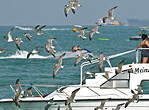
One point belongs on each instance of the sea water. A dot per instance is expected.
(39, 67)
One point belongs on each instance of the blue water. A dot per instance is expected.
(38, 70)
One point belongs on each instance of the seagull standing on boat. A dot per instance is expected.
(71, 98)
(58, 65)
(94, 30)
(18, 41)
(100, 61)
(49, 47)
(38, 29)
(9, 36)
(17, 94)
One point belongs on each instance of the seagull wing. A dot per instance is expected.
(110, 12)
(42, 27)
(57, 67)
(37, 27)
(91, 34)
(73, 94)
(28, 55)
(104, 19)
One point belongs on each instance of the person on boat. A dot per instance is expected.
(144, 44)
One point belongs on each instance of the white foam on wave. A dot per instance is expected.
(23, 28)
(23, 55)
(55, 29)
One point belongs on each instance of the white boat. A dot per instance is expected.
(117, 89)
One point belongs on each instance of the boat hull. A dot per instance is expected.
(78, 105)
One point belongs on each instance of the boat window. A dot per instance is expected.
(145, 86)
(118, 81)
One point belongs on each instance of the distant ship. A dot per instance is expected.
(137, 22)
(110, 22)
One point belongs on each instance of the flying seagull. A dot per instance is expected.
(110, 12)
(9, 36)
(58, 65)
(49, 47)
(101, 105)
(38, 29)
(110, 15)
(34, 51)
(74, 6)
(100, 64)
(78, 59)
(17, 94)
(117, 71)
(118, 106)
(27, 35)
(68, 7)
(106, 75)
(71, 98)
(134, 97)
(94, 30)
(82, 32)
(18, 41)
(29, 92)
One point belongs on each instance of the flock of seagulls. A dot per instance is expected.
(72, 5)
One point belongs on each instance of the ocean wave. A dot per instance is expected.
(55, 29)
(23, 28)
(23, 55)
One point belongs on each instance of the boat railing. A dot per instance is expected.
(106, 58)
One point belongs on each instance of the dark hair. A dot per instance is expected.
(144, 36)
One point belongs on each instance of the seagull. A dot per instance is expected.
(34, 51)
(50, 48)
(100, 61)
(2, 50)
(75, 4)
(50, 103)
(134, 97)
(102, 104)
(106, 75)
(9, 36)
(82, 32)
(77, 60)
(38, 29)
(110, 15)
(119, 67)
(118, 106)
(67, 7)
(94, 30)
(110, 12)
(71, 98)
(139, 89)
(27, 35)
(29, 92)
(18, 41)
(17, 94)
(58, 65)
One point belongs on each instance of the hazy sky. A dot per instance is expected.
(51, 12)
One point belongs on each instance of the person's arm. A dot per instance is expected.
(142, 43)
